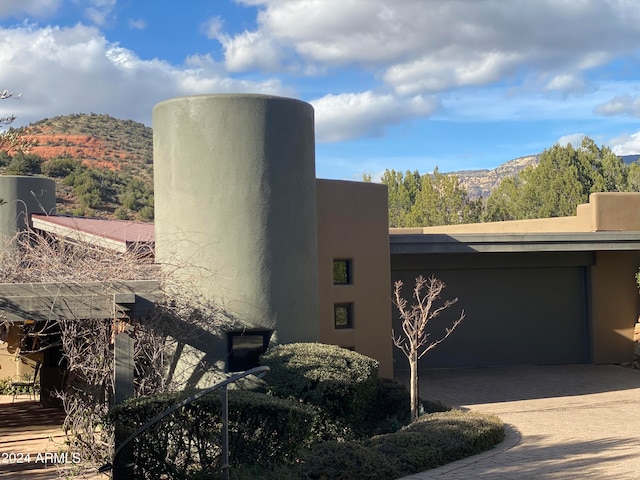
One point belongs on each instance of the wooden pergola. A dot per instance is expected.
(121, 300)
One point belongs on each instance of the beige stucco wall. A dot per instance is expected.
(614, 305)
(604, 212)
(353, 224)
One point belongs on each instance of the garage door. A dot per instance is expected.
(514, 316)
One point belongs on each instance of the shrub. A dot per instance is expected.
(432, 441)
(458, 433)
(347, 461)
(24, 164)
(340, 381)
(60, 166)
(263, 430)
(390, 409)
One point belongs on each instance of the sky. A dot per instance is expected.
(395, 84)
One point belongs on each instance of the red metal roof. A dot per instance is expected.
(123, 232)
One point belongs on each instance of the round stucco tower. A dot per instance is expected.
(235, 198)
(24, 195)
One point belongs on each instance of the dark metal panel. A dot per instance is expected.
(515, 316)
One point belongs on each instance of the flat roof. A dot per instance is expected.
(513, 242)
(119, 235)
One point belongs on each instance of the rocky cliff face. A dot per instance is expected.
(480, 183)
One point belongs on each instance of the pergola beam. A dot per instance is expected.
(90, 300)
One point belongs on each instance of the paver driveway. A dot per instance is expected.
(565, 422)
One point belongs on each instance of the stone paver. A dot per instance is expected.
(32, 441)
(564, 422)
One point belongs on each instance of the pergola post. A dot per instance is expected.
(123, 389)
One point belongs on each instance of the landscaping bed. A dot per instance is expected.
(322, 413)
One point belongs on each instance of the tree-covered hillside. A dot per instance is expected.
(102, 166)
(562, 179)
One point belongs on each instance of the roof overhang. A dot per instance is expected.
(514, 242)
(118, 235)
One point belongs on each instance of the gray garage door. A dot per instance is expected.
(514, 316)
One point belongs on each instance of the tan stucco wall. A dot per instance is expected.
(604, 212)
(11, 364)
(615, 211)
(614, 305)
(612, 285)
(353, 224)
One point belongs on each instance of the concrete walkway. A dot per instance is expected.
(564, 422)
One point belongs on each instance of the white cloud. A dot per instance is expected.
(251, 50)
(86, 73)
(351, 115)
(620, 105)
(37, 8)
(213, 27)
(99, 12)
(137, 24)
(574, 139)
(441, 72)
(422, 46)
(565, 82)
(626, 144)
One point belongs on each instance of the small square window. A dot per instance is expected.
(343, 315)
(342, 272)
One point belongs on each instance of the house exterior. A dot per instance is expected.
(535, 292)
(293, 258)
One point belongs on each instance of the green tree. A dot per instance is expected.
(563, 179)
(441, 200)
(502, 203)
(5, 158)
(92, 186)
(633, 177)
(24, 164)
(60, 166)
(432, 199)
(402, 194)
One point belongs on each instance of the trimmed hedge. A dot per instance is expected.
(340, 381)
(327, 393)
(433, 440)
(390, 409)
(262, 430)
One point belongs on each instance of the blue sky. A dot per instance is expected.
(402, 84)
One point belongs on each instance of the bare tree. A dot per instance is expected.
(13, 139)
(4, 94)
(415, 341)
(181, 318)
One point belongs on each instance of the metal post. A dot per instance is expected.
(225, 433)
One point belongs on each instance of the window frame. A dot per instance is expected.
(348, 262)
(349, 315)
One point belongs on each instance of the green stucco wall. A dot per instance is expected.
(24, 195)
(235, 201)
